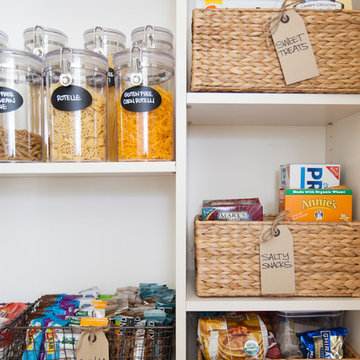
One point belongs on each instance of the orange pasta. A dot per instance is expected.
(112, 118)
(147, 135)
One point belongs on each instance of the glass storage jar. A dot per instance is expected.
(76, 85)
(107, 42)
(144, 82)
(153, 37)
(21, 106)
(3, 40)
(39, 40)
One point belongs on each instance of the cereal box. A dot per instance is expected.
(309, 176)
(317, 205)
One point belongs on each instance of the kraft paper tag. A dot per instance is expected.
(294, 49)
(277, 263)
(92, 346)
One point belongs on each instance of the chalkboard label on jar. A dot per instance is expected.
(111, 81)
(71, 98)
(10, 100)
(140, 99)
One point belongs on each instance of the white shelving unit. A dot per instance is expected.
(269, 109)
(88, 169)
(236, 143)
(71, 226)
(195, 303)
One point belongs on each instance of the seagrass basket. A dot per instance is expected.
(327, 258)
(229, 52)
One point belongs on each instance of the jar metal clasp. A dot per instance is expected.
(136, 77)
(38, 49)
(66, 57)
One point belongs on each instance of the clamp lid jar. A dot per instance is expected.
(104, 41)
(76, 85)
(144, 81)
(21, 106)
(107, 42)
(152, 37)
(39, 40)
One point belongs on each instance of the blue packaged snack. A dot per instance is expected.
(323, 343)
(170, 318)
(34, 339)
(146, 286)
(51, 341)
(169, 308)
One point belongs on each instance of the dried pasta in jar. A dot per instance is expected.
(148, 135)
(107, 42)
(77, 107)
(21, 106)
(145, 110)
(79, 135)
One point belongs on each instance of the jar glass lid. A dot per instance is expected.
(10, 58)
(150, 36)
(29, 33)
(3, 39)
(77, 58)
(39, 40)
(146, 58)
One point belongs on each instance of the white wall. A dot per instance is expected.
(67, 233)
(227, 162)
(73, 17)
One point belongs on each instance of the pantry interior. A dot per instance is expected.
(71, 226)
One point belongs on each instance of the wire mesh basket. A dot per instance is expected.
(9, 341)
(59, 343)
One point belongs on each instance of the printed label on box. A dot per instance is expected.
(309, 176)
(317, 205)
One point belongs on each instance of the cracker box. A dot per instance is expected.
(309, 176)
(238, 212)
(231, 202)
(317, 205)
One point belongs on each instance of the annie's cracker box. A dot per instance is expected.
(232, 210)
(309, 176)
(317, 205)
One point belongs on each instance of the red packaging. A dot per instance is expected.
(233, 213)
(231, 202)
(273, 347)
(10, 312)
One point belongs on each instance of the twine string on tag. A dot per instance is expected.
(272, 24)
(271, 232)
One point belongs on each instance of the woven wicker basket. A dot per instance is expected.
(349, 353)
(229, 52)
(327, 258)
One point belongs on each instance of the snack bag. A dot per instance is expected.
(10, 311)
(233, 337)
(53, 338)
(34, 340)
(273, 347)
(323, 343)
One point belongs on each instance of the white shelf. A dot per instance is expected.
(269, 109)
(196, 303)
(88, 169)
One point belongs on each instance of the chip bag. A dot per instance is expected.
(240, 336)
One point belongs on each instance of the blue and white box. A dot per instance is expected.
(309, 176)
